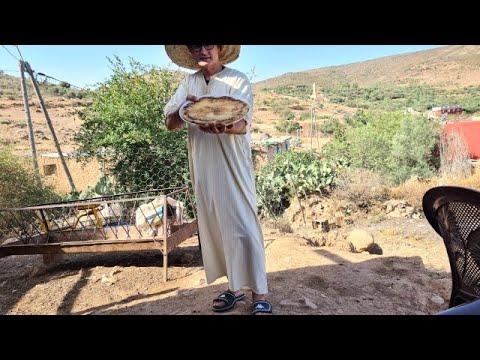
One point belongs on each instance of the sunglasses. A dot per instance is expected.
(198, 48)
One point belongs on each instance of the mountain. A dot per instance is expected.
(447, 67)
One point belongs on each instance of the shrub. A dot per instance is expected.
(361, 186)
(392, 144)
(125, 126)
(330, 126)
(413, 149)
(287, 126)
(305, 115)
(17, 183)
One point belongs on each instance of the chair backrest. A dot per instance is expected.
(454, 213)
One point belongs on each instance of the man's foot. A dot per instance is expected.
(260, 306)
(227, 300)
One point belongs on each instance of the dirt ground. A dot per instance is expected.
(13, 124)
(411, 277)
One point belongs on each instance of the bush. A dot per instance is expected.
(17, 183)
(413, 149)
(287, 126)
(361, 187)
(392, 144)
(125, 126)
(369, 145)
(330, 126)
(71, 94)
(306, 115)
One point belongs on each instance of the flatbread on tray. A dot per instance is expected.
(223, 110)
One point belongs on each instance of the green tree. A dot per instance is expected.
(391, 144)
(125, 127)
(369, 145)
(413, 149)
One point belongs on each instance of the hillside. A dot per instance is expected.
(448, 67)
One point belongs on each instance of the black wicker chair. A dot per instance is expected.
(454, 213)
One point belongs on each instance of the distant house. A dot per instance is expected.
(276, 145)
(449, 110)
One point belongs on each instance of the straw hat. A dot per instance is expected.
(180, 55)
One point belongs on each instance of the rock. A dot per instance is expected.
(105, 279)
(309, 303)
(38, 270)
(409, 211)
(115, 271)
(360, 240)
(437, 299)
(375, 249)
(396, 213)
(288, 302)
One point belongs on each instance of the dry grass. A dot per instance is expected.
(470, 182)
(413, 190)
(361, 187)
(280, 224)
(391, 232)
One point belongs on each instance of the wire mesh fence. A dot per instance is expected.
(146, 214)
(142, 169)
(147, 168)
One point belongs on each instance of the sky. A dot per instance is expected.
(87, 65)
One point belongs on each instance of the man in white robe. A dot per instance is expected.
(223, 176)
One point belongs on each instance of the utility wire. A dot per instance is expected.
(51, 77)
(39, 74)
(10, 53)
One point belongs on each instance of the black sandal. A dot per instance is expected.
(261, 306)
(229, 299)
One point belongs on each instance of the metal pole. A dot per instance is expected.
(165, 238)
(311, 129)
(316, 128)
(31, 137)
(50, 126)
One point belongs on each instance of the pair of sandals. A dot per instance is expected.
(229, 300)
